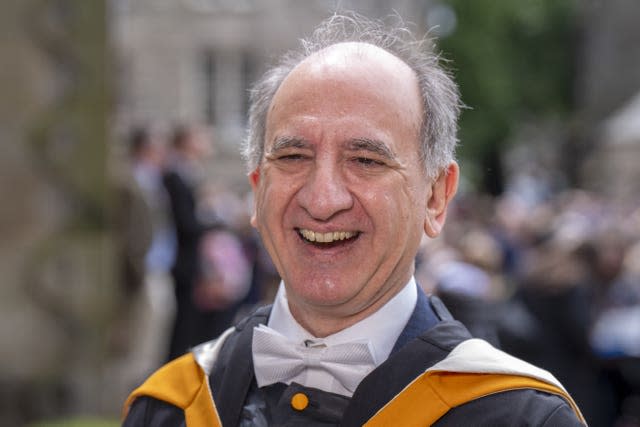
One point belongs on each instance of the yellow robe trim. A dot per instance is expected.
(184, 384)
(181, 383)
(434, 393)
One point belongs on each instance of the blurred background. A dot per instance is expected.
(125, 201)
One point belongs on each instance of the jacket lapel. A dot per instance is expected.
(428, 338)
(232, 374)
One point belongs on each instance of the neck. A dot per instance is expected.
(324, 321)
(322, 325)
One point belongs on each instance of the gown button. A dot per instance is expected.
(299, 401)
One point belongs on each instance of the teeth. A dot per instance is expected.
(312, 236)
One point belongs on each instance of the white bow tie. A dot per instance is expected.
(277, 359)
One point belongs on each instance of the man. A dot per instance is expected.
(351, 157)
(146, 247)
(190, 146)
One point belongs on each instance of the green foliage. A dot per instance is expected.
(513, 60)
(77, 422)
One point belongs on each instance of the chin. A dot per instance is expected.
(324, 294)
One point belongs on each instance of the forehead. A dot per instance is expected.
(349, 79)
(342, 57)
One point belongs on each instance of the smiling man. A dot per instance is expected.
(351, 153)
(342, 197)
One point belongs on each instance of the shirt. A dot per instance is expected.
(382, 329)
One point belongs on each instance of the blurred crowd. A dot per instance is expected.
(189, 262)
(551, 277)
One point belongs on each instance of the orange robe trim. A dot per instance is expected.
(184, 384)
(434, 393)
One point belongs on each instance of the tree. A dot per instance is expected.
(514, 61)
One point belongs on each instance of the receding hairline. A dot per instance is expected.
(358, 47)
(345, 52)
(438, 91)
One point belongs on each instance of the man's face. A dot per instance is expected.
(341, 197)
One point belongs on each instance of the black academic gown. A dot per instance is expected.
(429, 336)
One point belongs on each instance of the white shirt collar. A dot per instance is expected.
(382, 328)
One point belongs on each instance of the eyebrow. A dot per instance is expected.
(356, 144)
(372, 145)
(284, 142)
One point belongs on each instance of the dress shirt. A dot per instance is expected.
(381, 329)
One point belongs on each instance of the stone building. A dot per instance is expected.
(607, 91)
(613, 168)
(194, 60)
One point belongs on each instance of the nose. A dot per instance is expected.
(325, 192)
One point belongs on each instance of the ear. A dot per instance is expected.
(442, 191)
(254, 180)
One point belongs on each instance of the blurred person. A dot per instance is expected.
(265, 277)
(224, 283)
(133, 213)
(625, 288)
(225, 275)
(351, 152)
(467, 289)
(146, 252)
(615, 336)
(190, 148)
(555, 289)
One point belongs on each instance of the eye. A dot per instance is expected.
(292, 157)
(368, 161)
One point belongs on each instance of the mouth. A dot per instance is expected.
(329, 239)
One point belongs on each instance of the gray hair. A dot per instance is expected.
(440, 97)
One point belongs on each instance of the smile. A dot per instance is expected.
(330, 237)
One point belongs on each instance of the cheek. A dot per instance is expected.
(395, 202)
(408, 211)
(272, 199)
(261, 206)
